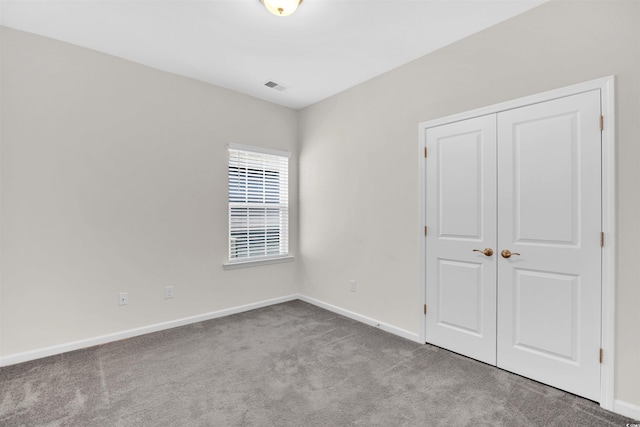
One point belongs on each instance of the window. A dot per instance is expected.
(258, 204)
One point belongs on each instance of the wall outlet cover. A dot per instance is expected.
(123, 298)
(168, 292)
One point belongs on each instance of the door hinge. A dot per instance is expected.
(425, 309)
(601, 122)
(601, 355)
(602, 239)
(425, 230)
(425, 151)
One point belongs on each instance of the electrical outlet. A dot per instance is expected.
(123, 298)
(168, 292)
(352, 285)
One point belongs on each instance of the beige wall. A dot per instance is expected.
(359, 157)
(114, 179)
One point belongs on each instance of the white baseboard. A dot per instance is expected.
(627, 409)
(26, 356)
(364, 319)
(619, 406)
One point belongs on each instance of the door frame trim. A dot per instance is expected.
(608, 191)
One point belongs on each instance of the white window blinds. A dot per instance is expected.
(258, 205)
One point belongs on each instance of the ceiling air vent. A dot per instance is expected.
(276, 86)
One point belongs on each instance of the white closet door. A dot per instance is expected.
(549, 212)
(461, 216)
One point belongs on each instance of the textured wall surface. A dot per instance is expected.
(114, 178)
(359, 210)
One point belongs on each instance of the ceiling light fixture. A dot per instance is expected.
(281, 7)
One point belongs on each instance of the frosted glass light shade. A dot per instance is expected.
(281, 7)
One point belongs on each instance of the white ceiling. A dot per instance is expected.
(324, 48)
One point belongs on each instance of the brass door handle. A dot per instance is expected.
(507, 253)
(486, 252)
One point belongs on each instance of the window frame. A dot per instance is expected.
(283, 229)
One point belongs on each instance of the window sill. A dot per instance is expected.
(232, 265)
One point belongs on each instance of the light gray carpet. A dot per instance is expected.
(291, 364)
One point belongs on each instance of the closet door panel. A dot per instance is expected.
(549, 213)
(461, 218)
